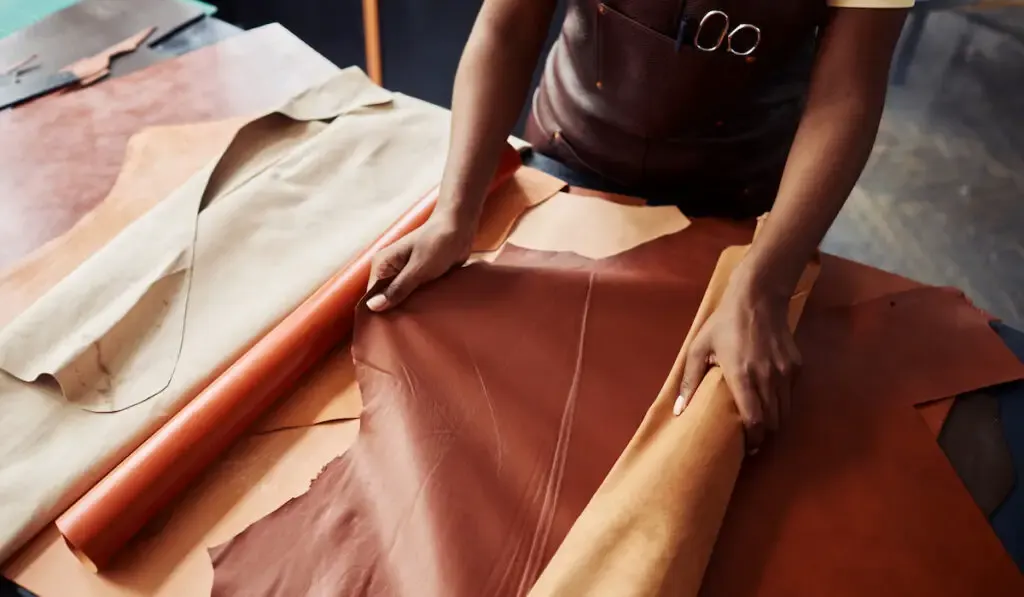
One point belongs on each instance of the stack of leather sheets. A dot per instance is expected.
(513, 418)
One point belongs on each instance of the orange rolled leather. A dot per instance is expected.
(107, 516)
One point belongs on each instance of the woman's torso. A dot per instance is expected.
(618, 98)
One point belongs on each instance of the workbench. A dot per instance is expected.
(251, 71)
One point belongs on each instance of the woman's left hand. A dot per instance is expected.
(749, 338)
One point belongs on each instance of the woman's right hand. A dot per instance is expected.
(441, 243)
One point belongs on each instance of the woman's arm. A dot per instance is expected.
(835, 137)
(490, 87)
(748, 335)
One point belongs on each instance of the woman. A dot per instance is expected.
(723, 107)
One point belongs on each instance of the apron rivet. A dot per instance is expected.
(600, 9)
(600, 85)
(556, 135)
(750, 59)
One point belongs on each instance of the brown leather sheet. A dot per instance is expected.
(62, 154)
(484, 436)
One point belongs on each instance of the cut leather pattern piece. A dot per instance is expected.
(612, 228)
(296, 222)
(458, 472)
(592, 226)
(119, 344)
(528, 188)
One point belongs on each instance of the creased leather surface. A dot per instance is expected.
(61, 154)
(484, 437)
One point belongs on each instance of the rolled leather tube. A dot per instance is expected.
(102, 521)
(650, 528)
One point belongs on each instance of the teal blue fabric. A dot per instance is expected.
(18, 14)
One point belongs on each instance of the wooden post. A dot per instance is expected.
(371, 33)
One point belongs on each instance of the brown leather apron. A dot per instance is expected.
(621, 99)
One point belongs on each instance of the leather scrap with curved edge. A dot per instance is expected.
(498, 399)
(612, 228)
(503, 209)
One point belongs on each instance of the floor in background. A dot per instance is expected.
(942, 198)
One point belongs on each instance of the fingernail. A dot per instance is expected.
(377, 302)
(680, 404)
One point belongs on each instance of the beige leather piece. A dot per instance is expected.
(257, 476)
(295, 222)
(157, 161)
(650, 528)
(611, 228)
(110, 333)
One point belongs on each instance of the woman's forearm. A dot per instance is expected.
(832, 144)
(490, 88)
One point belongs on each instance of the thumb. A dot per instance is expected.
(407, 280)
(387, 265)
(694, 369)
